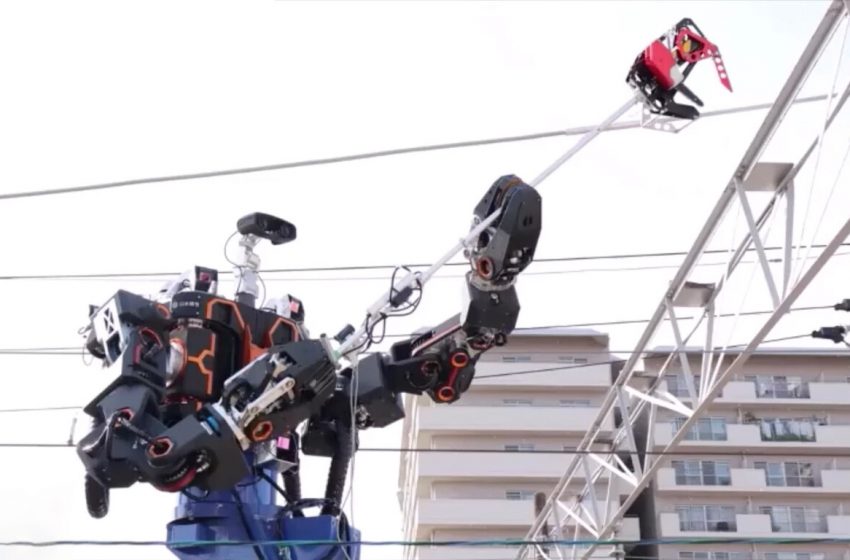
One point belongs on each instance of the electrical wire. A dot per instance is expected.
(820, 220)
(779, 541)
(344, 268)
(273, 483)
(380, 153)
(820, 141)
(749, 452)
(246, 526)
(779, 351)
(39, 409)
(72, 350)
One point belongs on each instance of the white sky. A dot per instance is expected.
(100, 91)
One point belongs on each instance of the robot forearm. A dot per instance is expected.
(130, 440)
(441, 361)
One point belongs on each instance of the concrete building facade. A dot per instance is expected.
(768, 461)
(505, 440)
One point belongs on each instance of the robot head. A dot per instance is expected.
(266, 226)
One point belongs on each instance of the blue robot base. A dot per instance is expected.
(249, 513)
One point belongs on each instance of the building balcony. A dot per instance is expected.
(508, 515)
(780, 396)
(533, 420)
(474, 514)
(750, 482)
(507, 552)
(493, 467)
(748, 525)
(495, 553)
(749, 436)
(466, 553)
(586, 377)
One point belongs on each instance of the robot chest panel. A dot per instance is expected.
(203, 361)
(256, 329)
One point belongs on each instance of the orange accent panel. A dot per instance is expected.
(267, 340)
(254, 352)
(227, 303)
(199, 361)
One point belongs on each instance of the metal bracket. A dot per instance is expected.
(661, 123)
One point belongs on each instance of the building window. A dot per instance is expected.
(705, 429)
(779, 387)
(517, 402)
(795, 519)
(677, 386)
(788, 429)
(519, 495)
(704, 555)
(794, 556)
(513, 359)
(571, 360)
(706, 518)
(519, 447)
(788, 473)
(702, 473)
(574, 403)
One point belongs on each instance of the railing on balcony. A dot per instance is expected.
(707, 525)
(702, 473)
(781, 388)
(705, 429)
(788, 429)
(712, 555)
(789, 474)
(707, 518)
(795, 519)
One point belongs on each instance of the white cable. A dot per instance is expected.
(823, 212)
(355, 386)
(819, 149)
(382, 153)
(383, 303)
(722, 355)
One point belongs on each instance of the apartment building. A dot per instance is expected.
(770, 459)
(480, 479)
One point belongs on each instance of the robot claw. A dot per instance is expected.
(660, 71)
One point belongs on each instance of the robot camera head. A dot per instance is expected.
(266, 226)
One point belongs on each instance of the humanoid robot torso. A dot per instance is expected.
(213, 396)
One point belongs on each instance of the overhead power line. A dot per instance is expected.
(77, 350)
(434, 543)
(347, 268)
(715, 351)
(750, 452)
(376, 154)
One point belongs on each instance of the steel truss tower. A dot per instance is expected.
(633, 399)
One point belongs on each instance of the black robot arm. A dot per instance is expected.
(288, 380)
(441, 361)
(130, 440)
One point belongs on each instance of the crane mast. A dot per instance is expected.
(631, 401)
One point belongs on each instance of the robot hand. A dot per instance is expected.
(660, 70)
(279, 390)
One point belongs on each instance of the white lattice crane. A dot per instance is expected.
(632, 400)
